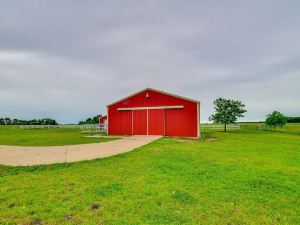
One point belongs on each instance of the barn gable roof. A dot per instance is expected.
(155, 90)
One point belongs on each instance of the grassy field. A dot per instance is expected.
(244, 177)
(13, 135)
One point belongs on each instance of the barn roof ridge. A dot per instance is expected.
(152, 89)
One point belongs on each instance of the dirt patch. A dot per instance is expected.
(37, 222)
(95, 206)
(11, 205)
(69, 218)
(185, 140)
(210, 139)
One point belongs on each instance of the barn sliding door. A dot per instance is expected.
(139, 124)
(156, 122)
(167, 122)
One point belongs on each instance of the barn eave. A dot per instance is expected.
(155, 90)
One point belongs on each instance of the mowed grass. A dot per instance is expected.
(244, 177)
(13, 135)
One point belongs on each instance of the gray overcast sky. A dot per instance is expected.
(68, 59)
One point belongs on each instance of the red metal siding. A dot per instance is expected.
(102, 119)
(140, 122)
(156, 120)
(180, 122)
(177, 122)
(119, 122)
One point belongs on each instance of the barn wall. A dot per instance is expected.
(119, 123)
(179, 122)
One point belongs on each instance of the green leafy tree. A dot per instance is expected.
(227, 111)
(92, 120)
(7, 121)
(276, 119)
(96, 118)
(15, 122)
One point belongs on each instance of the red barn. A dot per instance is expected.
(102, 120)
(154, 112)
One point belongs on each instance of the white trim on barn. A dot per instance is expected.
(198, 119)
(155, 107)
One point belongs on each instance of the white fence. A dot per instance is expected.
(264, 127)
(48, 126)
(84, 127)
(214, 126)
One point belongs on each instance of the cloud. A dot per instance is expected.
(67, 59)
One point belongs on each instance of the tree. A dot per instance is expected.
(227, 111)
(15, 122)
(7, 121)
(276, 119)
(96, 118)
(93, 120)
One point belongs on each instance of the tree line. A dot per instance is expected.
(293, 119)
(91, 120)
(44, 121)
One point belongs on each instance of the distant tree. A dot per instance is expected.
(23, 122)
(7, 121)
(49, 121)
(34, 122)
(276, 119)
(92, 120)
(227, 111)
(96, 118)
(2, 121)
(15, 122)
(46, 121)
(293, 119)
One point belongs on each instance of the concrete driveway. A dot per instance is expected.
(27, 156)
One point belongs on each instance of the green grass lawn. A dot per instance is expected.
(13, 135)
(244, 177)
